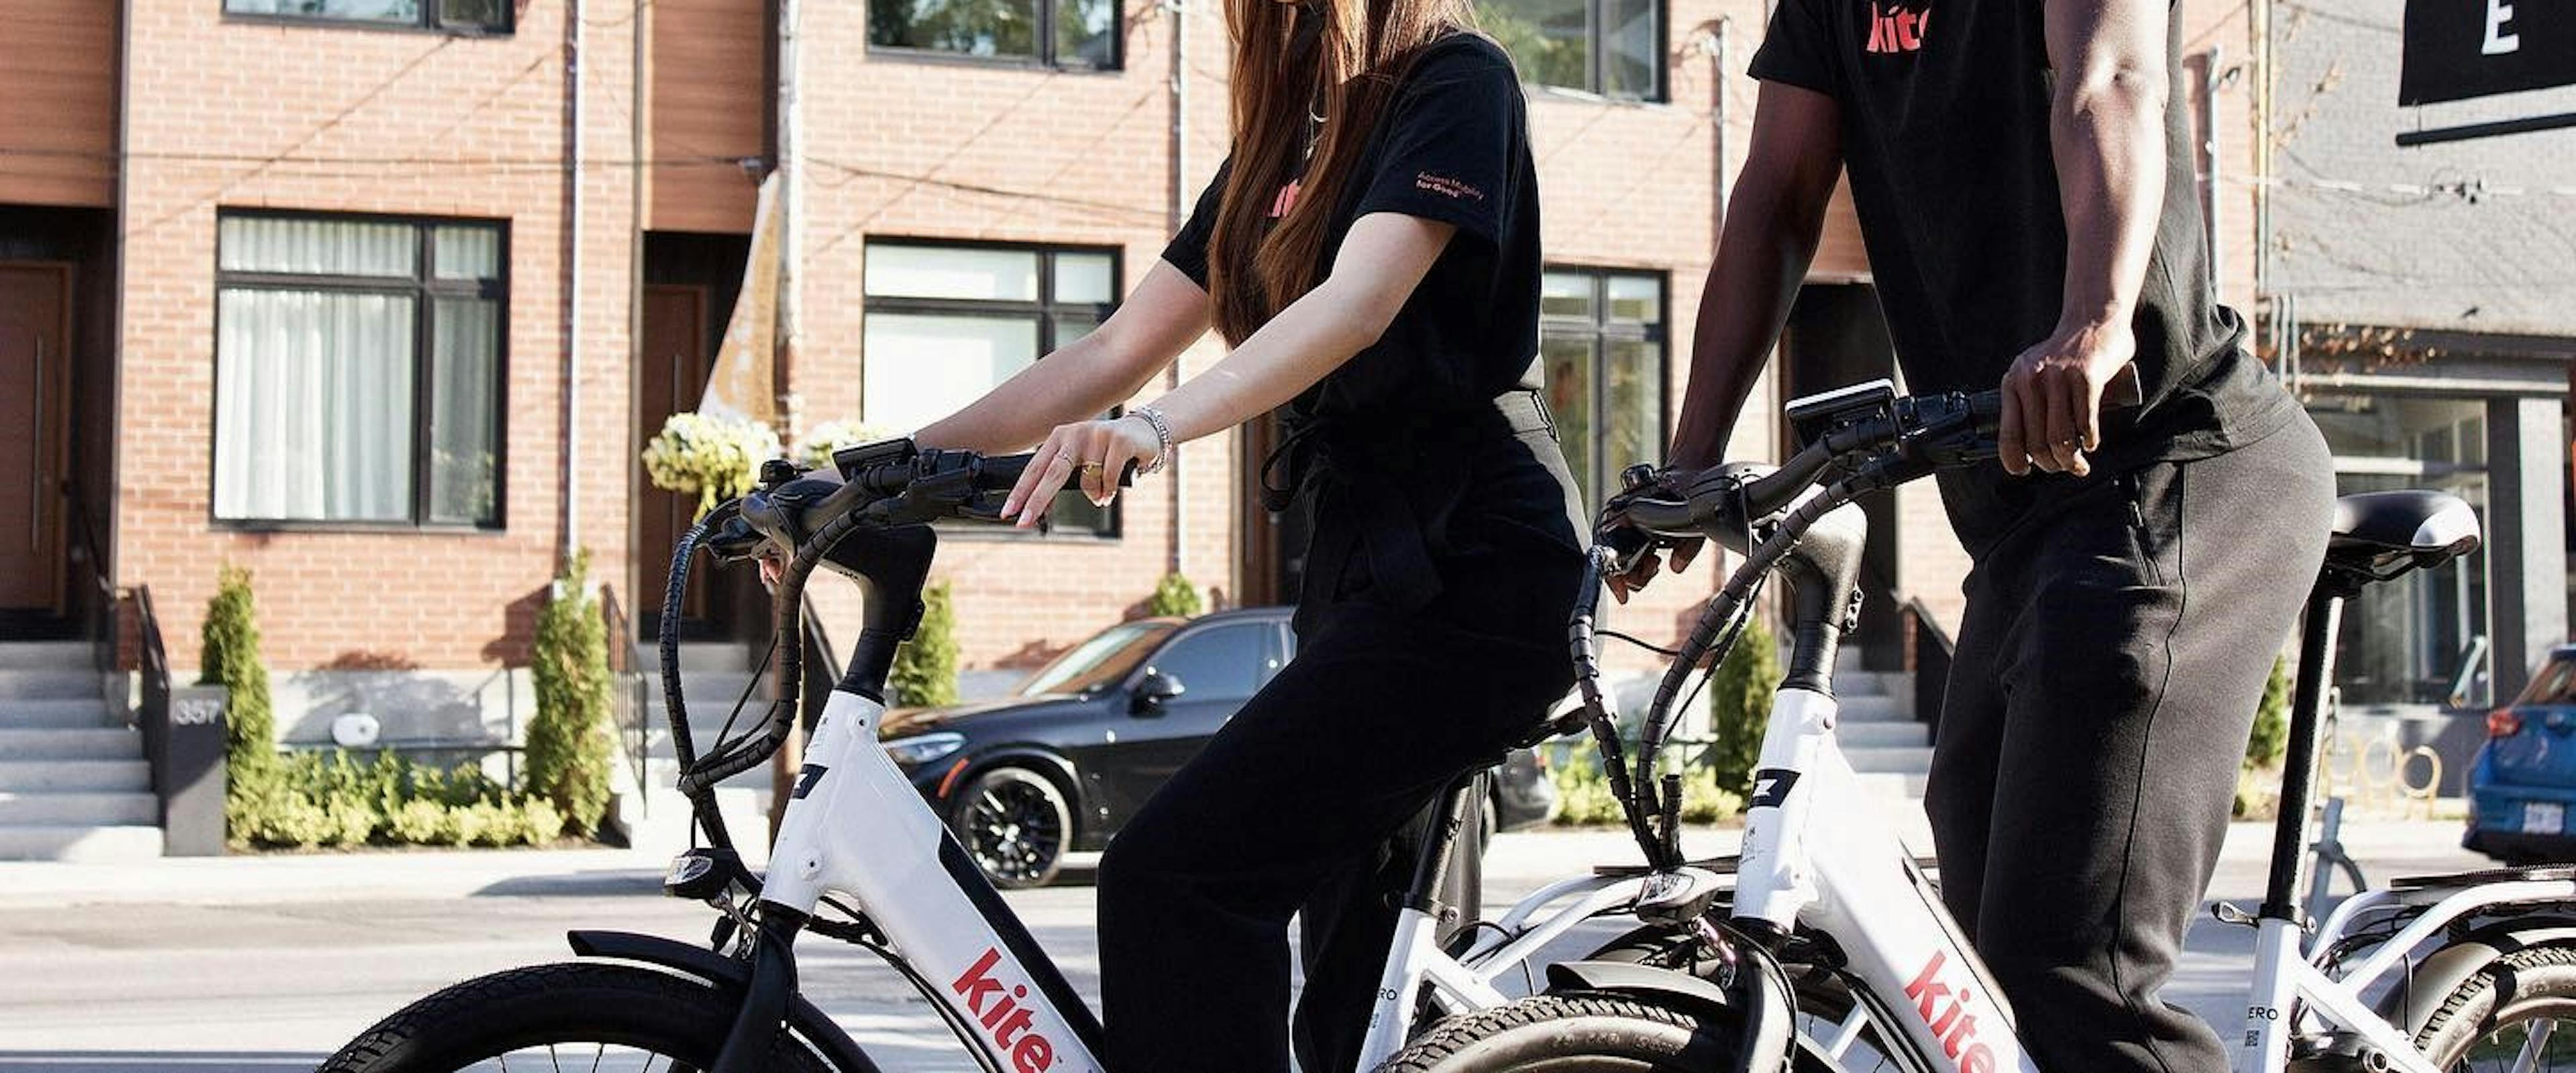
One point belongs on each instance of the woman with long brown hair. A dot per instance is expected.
(1370, 251)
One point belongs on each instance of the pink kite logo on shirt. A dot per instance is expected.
(1446, 186)
(1895, 29)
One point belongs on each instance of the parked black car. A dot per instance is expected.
(1059, 765)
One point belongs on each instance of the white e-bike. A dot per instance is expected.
(860, 857)
(2473, 971)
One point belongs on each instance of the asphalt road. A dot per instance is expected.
(140, 984)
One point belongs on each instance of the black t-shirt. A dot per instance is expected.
(1433, 486)
(1452, 146)
(1945, 111)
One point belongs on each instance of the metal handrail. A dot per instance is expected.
(628, 699)
(1928, 652)
(104, 655)
(153, 667)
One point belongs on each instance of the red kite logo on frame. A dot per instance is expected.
(1002, 1016)
(1896, 29)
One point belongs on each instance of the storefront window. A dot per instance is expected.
(2421, 639)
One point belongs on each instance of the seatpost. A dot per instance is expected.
(1431, 869)
(2299, 775)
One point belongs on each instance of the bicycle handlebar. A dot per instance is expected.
(1925, 431)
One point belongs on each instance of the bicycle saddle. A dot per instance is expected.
(2380, 535)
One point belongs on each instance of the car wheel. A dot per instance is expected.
(1015, 825)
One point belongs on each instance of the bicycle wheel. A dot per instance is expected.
(1568, 1034)
(2520, 1013)
(581, 1017)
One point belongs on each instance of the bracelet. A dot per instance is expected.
(1162, 437)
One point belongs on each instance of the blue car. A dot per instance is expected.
(2523, 785)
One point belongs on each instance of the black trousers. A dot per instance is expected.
(2108, 670)
(1292, 805)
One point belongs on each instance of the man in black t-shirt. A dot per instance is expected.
(2024, 186)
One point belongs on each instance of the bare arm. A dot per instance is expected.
(1380, 261)
(1771, 231)
(1772, 226)
(2106, 134)
(1161, 318)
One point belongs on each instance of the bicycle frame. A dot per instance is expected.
(855, 825)
(1805, 869)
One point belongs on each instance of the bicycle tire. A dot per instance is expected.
(2526, 986)
(472, 1022)
(1569, 1033)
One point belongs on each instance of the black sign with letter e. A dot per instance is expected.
(2457, 49)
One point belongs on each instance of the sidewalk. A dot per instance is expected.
(1527, 857)
(257, 879)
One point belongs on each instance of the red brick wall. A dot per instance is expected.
(226, 113)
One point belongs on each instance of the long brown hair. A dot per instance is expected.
(1350, 55)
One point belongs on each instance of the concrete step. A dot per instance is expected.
(1884, 734)
(47, 656)
(68, 842)
(100, 744)
(1890, 761)
(1869, 709)
(16, 714)
(30, 683)
(695, 657)
(78, 809)
(1891, 784)
(90, 776)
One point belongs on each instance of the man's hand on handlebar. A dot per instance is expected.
(1642, 565)
(2053, 397)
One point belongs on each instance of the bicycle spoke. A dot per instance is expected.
(2535, 1040)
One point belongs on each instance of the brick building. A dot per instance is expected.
(378, 298)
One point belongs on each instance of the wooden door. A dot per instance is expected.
(35, 411)
(674, 371)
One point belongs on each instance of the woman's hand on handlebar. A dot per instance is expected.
(1094, 452)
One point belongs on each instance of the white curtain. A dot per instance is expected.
(313, 405)
(318, 247)
(463, 430)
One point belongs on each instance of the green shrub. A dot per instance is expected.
(1704, 800)
(328, 800)
(1583, 797)
(925, 668)
(1739, 705)
(569, 752)
(229, 657)
(1175, 597)
(2271, 735)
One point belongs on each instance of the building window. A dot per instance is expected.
(1602, 337)
(456, 16)
(948, 321)
(1055, 33)
(1614, 48)
(2422, 639)
(358, 370)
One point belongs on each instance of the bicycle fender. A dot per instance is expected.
(1761, 1009)
(728, 976)
(2444, 970)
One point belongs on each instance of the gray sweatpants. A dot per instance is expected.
(2108, 669)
